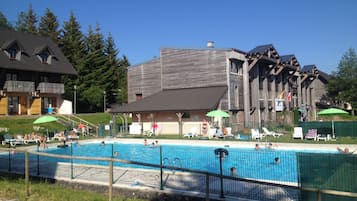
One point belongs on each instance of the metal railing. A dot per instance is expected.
(207, 178)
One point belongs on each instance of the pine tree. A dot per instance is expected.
(27, 22)
(4, 22)
(21, 22)
(31, 21)
(112, 73)
(49, 25)
(72, 45)
(123, 80)
(93, 75)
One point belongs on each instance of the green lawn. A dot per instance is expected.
(14, 189)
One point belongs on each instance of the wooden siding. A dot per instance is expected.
(187, 68)
(36, 106)
(23, 104)
(3, 105)
(144, 79)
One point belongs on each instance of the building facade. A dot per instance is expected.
(258, 85)
(31, 67)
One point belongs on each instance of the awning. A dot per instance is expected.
(188, 99)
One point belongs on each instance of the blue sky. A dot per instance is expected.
(317, 31)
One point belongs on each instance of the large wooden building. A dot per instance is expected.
(176, 90)
(31, 67)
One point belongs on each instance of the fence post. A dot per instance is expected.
(9, 157)
(318, 195)
(38, 158)
(207, 187)
(111, 179)
(161, 171)
(27, 185)
(71, 161)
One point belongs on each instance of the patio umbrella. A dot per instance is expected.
(45, 119)
(332, 112)
(217, 113)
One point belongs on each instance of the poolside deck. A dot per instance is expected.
(174, 182)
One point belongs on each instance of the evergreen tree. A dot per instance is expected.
(4, 23)
(343, 86)
(21, 22)
(123, 80)
(49, 25)
(93, 75)
(72, 45)
(111, 74)
(27, 22)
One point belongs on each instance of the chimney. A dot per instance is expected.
(210, 44)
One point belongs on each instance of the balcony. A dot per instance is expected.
(51, 88)
(19, 86)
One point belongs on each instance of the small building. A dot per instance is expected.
(175, 91)
(31, 68)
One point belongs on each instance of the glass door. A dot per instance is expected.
(13, 105)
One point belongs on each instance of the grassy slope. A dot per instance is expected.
(15, 189)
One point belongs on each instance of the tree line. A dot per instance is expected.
(101, 72)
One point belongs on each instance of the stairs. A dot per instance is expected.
(74, 121)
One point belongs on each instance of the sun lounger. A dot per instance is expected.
(298, 133)
(255, 134)
(192, 133)
(271, 133)
(311, 134)
(8, 139)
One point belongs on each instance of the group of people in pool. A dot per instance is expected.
(153, 144)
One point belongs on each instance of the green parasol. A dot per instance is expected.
(45, 119)
(331, 112)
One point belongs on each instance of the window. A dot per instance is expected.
(236, 66)
(13, 51)
(11, 76)
(138, 96)
(236, 96)
(44, 79)
(186, 115)
(44, 55)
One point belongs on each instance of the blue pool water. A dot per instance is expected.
(248, 162)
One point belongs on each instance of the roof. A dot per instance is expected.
(308, 68)
(188, 99)
(286, 58)
(261, 49)
(30, 44)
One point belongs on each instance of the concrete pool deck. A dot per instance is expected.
(174, 182)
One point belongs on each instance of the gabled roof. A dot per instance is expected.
(287, 58)
(30, 44)
(260, 49)
(308, 68)
(187, 99)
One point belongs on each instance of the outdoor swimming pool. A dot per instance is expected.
(249, 162)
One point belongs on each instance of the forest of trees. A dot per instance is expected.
(94, 56)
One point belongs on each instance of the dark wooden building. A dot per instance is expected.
(31, 67)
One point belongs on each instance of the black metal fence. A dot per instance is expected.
(309, 179)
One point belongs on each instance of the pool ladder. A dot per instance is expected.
(175, 163)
